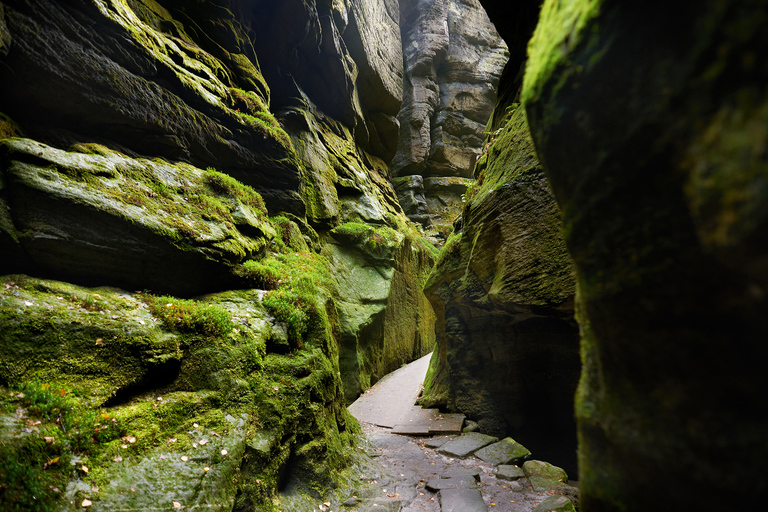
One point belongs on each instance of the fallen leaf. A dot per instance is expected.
(171, 440)
(49, 440)
(176, 504)
(55, 489)
(133, 489)
(99, 341)
(84, 468)
(327, 503)
(28, 303)
(33, 423)
(194, 445)
(86, 503)
(94, 488)
(141, 322)
(118, 459)
(203, 442)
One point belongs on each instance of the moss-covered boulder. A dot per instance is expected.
(93, 215)
(135, 401)
(651, 125)
(503, 294)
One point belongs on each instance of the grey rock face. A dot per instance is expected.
(453, 60)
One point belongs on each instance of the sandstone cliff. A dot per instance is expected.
(203, 258)
(453, 60)
(651, 126)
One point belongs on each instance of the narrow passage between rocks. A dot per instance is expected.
(433, 467)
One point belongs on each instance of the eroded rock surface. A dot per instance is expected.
(503, 288)
(453, 60)
(651, 126)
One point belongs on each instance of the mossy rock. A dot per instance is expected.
(95, 215)
(153, 379)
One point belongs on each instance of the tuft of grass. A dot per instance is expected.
(190, 316)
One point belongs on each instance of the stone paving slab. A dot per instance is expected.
(507, 472)
(462, 500)
(418, 421)
(466, 444)
(458, 482)
(506, 451)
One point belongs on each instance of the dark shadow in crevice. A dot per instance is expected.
(158, 377)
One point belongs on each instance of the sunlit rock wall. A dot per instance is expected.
(453, 60)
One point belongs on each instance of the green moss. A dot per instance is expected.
(46, 430)
(561, 27)
(253, 112)
(297, 284)
(379, 242)
(189, 316)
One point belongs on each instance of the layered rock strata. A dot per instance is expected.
(144, 149)
(453, 60)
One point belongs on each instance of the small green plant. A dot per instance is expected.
(189, 316)
(54, 427)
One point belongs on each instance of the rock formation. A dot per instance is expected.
(503, 292)
(202, 256)
(453, 60)
(651, 126)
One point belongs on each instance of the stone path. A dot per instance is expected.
(468, 472)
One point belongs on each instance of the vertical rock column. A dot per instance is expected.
(651, 124)
(453, 60)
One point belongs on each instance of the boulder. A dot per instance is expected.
(555, 504)
(650, 124)
(544, 476)
(507, 472)
(506, 451)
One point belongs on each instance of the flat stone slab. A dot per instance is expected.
(458, 482)
(462, 500)
(466, 444)
(506, 451)
(507, 472)
(418, 421)
(437, 442)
